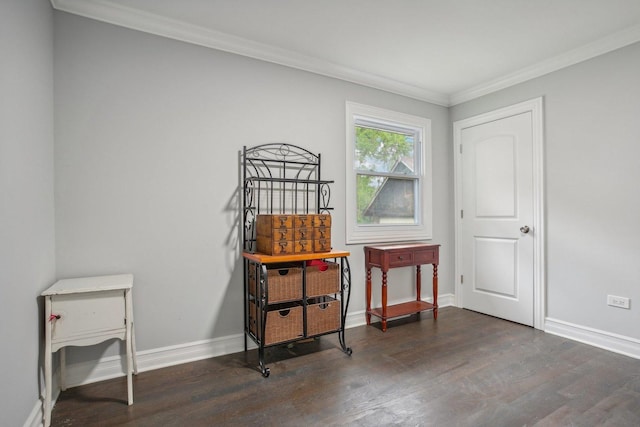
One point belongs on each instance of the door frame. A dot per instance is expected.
(535, 106)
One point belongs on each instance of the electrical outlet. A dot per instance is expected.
(615, 301)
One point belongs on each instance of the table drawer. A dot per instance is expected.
(269, 246)
(303, 234)
(303, 246)
(320, 237)
(304, 221)
(266, 223)
(87, 313)
(322, 245)
(279, 234)
(322, 233)
(322, 220)
(426, 257)
(400, 259)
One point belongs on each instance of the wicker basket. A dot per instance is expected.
(325, 282)
(284, 323)
(323, 315)
(283, 284)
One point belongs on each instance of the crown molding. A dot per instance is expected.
(599, 47)
(106, 11)
(135, 19)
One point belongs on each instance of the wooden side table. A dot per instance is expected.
(386, 257)
(86, 311)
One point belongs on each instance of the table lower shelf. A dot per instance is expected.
(402, 309)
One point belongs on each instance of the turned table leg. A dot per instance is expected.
(418, 287)
(48, 376)
(384, 301)
(435, 291)
(368, 290)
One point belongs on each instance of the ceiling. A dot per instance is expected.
(439, 51)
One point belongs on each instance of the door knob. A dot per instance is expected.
(524, 229)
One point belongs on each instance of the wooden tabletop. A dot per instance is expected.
(90, 284)
(408, 245)
(272, 259)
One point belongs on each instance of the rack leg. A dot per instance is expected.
(263, 368)
(343, 344)
(344, 305)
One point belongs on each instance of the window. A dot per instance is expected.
(388, 175)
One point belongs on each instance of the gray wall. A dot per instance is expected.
(148, 132)
(27, 262)
(147, 135)
(592, 134)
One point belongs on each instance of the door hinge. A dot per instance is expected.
(461, 278)
(460, 148)
(461, 214)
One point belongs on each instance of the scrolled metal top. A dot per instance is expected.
(281, 152)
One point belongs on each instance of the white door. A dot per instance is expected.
(497, 223)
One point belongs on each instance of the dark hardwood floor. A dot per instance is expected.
(465, 369)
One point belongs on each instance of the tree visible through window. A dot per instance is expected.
(387, 188)
(384, 161)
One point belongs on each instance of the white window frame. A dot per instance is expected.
(372, 233)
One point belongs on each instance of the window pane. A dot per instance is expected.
(384, 200)
(389, 188)
(384, 151)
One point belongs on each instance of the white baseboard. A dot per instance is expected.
(602, 339)
(446, 300)
(147, 360)
(36, 416)
(358, 318)
(114, 366)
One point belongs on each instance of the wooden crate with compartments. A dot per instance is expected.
(289, 234)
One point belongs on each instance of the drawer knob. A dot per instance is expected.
(54, 317)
